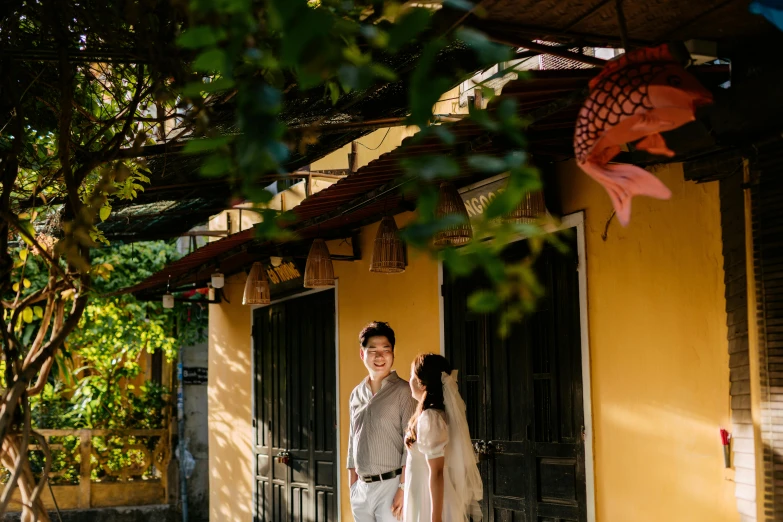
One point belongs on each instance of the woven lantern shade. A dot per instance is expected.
(531, 208)
(450, 203)
(257, 290)
(319, 272)
(388, 254)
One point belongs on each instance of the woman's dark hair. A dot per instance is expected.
(376, 329)
(428, 369)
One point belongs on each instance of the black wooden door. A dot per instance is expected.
(524, 395)
(295, 416)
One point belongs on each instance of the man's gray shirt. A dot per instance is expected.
(378, 423)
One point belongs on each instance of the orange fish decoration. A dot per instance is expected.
(637, 96)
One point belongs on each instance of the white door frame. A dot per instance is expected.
(575, 221)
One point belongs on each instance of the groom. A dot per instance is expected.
(380, 407)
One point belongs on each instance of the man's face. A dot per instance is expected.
(378, 356)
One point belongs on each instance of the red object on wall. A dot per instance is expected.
(725, 438)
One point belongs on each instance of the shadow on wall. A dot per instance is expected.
(230, 431)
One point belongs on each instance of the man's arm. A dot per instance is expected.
(351, 465)
(352, 476)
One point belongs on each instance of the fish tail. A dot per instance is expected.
(622, 182)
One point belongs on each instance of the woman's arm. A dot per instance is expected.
(436, 488)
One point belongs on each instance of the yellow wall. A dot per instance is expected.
(370, 147)
(230, 415)
(659, 354)
(408, 301)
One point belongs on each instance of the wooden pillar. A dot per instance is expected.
(85, 475)
(354, 163)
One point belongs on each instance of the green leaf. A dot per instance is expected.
(383, 72)
(484, 119)
(201, 36)
(105, 212)
(489, 52)
(218, 84)
(426, 87)
(28, 226)
(193, 89)
(430, 168)
(408, 27)
(211, 60)
(446, 136)
(461, 5)
(216, 166)
(334, 92)
(27, 335)
(206, 144)
(484, 301)
(458, 264)
(487, 164)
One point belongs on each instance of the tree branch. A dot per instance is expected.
(47, 317)
(21, 458)
(116, 141)
(13, 220)
(47, 466)
(29, 371)
(64, 137)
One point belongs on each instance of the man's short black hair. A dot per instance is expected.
(376, 329)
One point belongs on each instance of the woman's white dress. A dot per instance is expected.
(432, 442)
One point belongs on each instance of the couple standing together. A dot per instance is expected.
(409, 450)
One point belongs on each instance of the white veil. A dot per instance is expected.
(461, 462)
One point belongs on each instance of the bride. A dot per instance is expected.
(442, 481)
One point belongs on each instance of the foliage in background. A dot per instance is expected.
(73, 119)
(90, 387)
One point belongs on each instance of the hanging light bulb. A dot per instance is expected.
(450, 203)
(319, 271)
(275, 261)
(388, 255)
(218, 280)
(168, 299)
(257, 290)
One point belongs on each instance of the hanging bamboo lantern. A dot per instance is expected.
(530, 209)
(319, 272)
(388, 255)
(257, 291)
(450, 203)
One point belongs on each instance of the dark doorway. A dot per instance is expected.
(524, 394)
(294, 411)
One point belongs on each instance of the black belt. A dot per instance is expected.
(384, 476)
